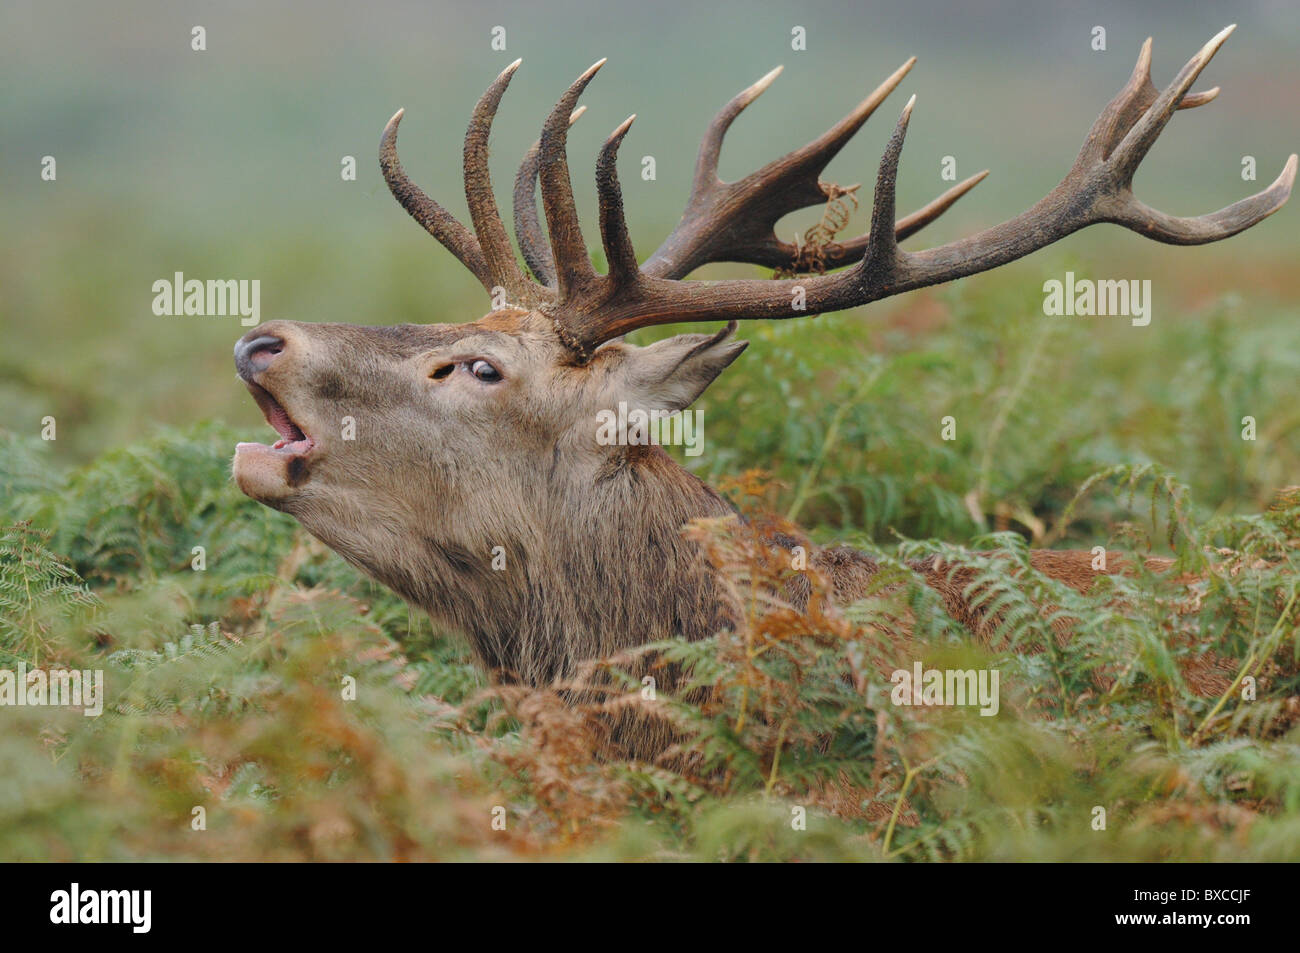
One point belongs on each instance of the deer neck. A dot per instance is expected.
(583, 565)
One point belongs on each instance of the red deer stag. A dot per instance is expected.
(480, 438)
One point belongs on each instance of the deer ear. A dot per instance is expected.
(670, 374)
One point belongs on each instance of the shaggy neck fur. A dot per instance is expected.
(596, 565)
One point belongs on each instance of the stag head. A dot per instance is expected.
(468, 437)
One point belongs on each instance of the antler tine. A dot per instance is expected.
(435, 219)
(882, 242)
(528, 223)
(706, 163)
(1213, 226)
(572, 263)
(491, 231)
(1192, 100)
(619, 251)
(1096, 189)
(909, 225)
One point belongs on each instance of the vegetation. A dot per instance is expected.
(312, 715)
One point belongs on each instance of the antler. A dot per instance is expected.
(735, 221)
(1098, 188)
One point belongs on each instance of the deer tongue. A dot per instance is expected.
(292, 439)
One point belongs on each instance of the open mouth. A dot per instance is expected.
(293, 441)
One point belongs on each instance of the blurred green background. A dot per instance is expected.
(226, 163)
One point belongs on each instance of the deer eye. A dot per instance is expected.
(485, 372)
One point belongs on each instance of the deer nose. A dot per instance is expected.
(256, 355)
